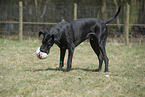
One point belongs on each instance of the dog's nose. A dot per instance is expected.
(42, 50)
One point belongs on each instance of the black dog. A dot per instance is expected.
(69, 34)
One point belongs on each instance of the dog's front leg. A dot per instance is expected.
(62, 55)
(70, 56)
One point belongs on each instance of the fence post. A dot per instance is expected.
(75, 11)
(126, 25)
(20, 21)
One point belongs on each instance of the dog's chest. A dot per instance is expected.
(63, 44)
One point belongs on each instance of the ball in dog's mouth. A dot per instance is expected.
(41, 55)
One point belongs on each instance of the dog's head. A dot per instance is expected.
(47, 42)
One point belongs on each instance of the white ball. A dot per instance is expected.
(41, 55)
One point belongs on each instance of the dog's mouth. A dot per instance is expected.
(44, 51)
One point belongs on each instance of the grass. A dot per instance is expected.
(24, 75)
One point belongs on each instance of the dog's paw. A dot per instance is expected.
(60, 68)
(96, 70)
(106, 70)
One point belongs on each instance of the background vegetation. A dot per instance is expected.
(137, 6)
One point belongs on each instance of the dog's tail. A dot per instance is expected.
(112, 18)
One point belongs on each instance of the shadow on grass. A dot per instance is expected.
(63, 70)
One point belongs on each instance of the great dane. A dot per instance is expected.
(69, 34)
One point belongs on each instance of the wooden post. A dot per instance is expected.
(20, 21)
(75, 11)
(126, 25)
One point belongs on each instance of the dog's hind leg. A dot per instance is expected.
(102, 48)
(95, 47)
(101, 43)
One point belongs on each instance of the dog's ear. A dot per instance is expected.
(41, 32)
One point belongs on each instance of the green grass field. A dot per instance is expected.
(22, 74)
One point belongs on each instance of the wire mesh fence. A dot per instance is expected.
(44, 17)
